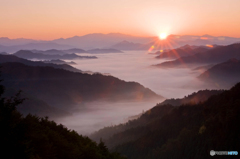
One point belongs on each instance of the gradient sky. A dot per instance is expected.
(51, 19)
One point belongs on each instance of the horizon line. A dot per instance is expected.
(116, 33)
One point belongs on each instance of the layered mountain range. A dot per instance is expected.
(212, 56)
(30, 55)
(185, 50)
(61, 88)
(114, 41)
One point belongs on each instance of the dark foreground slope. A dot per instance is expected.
(36, 106)
(33, 137)
(145, 118)
(187, 131)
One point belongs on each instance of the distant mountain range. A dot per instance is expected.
(185, 50)
(95, 51)
(59, 62)
(126, 45)
(97, 40)
(33, 46)
(213, 56)
(113, 40)
(14, 59)
(30, 55)
(50, 52)
(76, 50)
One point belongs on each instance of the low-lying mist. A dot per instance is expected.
(101, 114)
(130, 66)
(136, 66)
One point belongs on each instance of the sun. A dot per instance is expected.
(163, 36)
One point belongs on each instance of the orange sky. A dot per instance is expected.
(51, 19)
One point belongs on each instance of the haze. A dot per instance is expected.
(130, 66)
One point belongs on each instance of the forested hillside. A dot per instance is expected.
(33, 137)
(186, 131)
(143, 119)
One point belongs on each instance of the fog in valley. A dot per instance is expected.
(137, 66)
(101, 114)
(129, 66)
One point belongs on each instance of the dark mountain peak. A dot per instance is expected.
(4, 38)
(52, 50)
(186, 46)
(214, 55)
(75, 50)
(125, 42)
(13, 58)
(224, 74)
(60, 39)
(75, 36)
(234, 60)
(23, 52)
(3, 53)
(30, 55)
(110, 50)
(116, 34)
(119, 35)
(207, 35)
(58, 61)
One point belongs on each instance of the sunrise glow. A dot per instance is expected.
(48, 20)
(163, 36)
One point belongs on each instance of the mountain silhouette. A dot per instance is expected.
(30, 55)
(126, 45)
(12, 58)
(216, 55)
(50, 52)
(185, 50)
(75, 50)
(64, 89)
(60, 62)
(112, 40)
(104, 51)
(223, 74)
